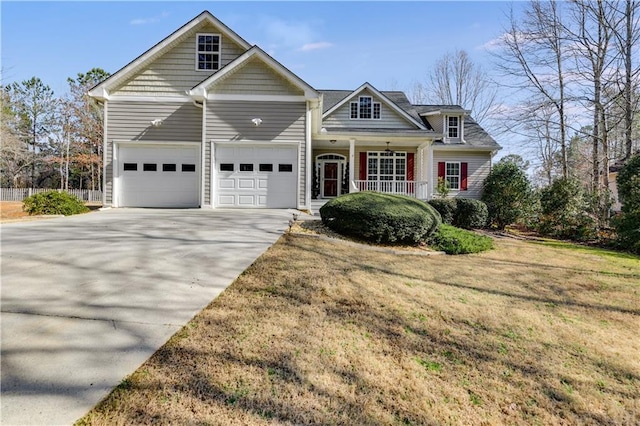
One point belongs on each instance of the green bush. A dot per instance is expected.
(446, 207)
(53, 202)
(566, 211)
(470, 214)
(380, 217)
(452, 240)
(627, 225)
(508, 195)
(464, 213)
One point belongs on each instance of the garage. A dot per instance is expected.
(158, 176)
(256, 176)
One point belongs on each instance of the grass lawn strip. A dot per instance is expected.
(316, 332)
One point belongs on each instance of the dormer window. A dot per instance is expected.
(365, 109)
(453, 127)
(207, 52)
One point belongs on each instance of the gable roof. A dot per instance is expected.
(101, 90)
(334, 99)
(200, 90)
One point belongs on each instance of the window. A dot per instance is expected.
(365, 108)
(246, 167)
(132, 167)
(453, 127)
(168, 167)
(265, 167)
(391, 166)
(207, 52)
(150, 167)
(226, 167)
(188, 167)
(452, 175)
(285, 167)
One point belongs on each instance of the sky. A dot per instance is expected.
(330, 45)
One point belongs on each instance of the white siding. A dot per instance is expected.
(255, 78)
(389, 119)
(175, 71)
(231, 121)
(479, 165)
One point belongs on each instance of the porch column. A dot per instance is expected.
(429, 169)
(352, 163)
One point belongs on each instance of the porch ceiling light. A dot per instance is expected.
(156, 122)
(256, 121)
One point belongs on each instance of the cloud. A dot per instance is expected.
(307, 47)
(301, 36)
(150, 20)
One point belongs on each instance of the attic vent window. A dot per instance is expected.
(207, 52)
(365, 108)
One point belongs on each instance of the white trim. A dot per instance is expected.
(133, 98)
(463, 147)
(392, 155)
(359, 112)
(219, 52)
(159, 144)
(380, 96)
(104, 156)
(450, 127)
(212, 173)
(309, 92)
(203, 153)
(101, 89)
(446, 111)
(308, 155)
(459, 176)
(321, 162)
(256, 143)
(263, 98)
(352, 164)
(430, 171)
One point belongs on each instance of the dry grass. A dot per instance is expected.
(316, 332)
(11, 210)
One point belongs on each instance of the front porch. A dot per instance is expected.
(345, 166)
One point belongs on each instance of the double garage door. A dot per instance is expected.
(256, 176)
(168, 176)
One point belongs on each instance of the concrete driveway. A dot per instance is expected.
(86, 299)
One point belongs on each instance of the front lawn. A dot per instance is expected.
(316, 332)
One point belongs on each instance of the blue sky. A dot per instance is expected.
(331, 45)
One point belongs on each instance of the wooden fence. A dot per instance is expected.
(19, 194)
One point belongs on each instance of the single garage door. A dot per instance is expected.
(256, 176)
(158, 176)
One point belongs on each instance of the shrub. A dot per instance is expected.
(380, 217)
(446, 207)
(53, 202)
(470, 214)
(507, 193)
(452, 240)
(627, 225)
(566, 211)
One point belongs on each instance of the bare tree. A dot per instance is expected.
(532, 58)
(456, 80)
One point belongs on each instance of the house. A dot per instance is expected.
(204, 119)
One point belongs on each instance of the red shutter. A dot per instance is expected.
(410, 165)
(363, 166)
(441, 168)
(463, 176)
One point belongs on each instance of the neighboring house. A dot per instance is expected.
(204, 119)
(616, 206)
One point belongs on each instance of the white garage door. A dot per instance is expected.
(158, 176)
(256, 176)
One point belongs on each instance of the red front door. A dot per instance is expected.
(330, 180)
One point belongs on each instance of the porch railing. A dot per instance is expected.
(413, 188)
